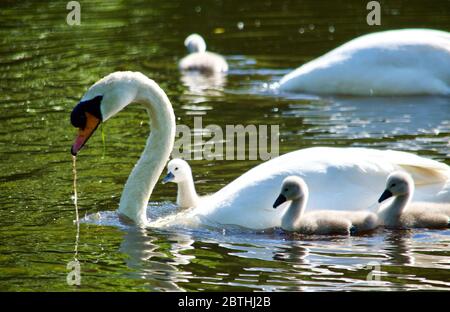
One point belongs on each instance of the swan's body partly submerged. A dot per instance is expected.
(322, 222)
(404, 214)
(395, 62)
(338, 178)
(199, 59)
(345, 179)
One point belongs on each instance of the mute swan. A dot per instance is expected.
(201, 60)
(402, 213)
(323, 222)
(346, 178)
(394, 62)
(179, 172)
(106, 98)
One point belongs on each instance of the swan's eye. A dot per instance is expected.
(176, 168)
(393, 185)
(285, 190)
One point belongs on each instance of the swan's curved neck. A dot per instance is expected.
(397, 207)
(145, 174)
(293, 214)
(187, 196)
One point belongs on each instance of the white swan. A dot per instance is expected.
(179, 172)
(324, 222)
(402, 213)
(107, 97)
(395, 62)
(346, 178)
(201, 60)
(338, 178)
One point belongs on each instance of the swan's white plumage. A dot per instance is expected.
(120, 89)
(395, 62)
(338, 179)
(401, 212)
(201, 60)
(195, 43)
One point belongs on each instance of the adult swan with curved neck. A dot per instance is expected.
(106, 98)
(339, 178)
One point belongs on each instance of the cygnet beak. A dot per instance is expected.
(281, 199)
(168, 178)
(386, 194)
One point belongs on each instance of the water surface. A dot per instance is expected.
(46, 66)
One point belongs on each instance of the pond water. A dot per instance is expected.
(46, 66)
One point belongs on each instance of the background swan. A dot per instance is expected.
(106, 98)
(324, 222)
(402, 213)
(338, 178)
(395, 62)
(179, 172)
(201, 60)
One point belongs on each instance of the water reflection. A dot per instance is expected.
(401, 123)
(144, 256)
(200, 85)
(175, 257)
(398, 247)
(293, 251)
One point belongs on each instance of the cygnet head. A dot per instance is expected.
(178, 171)
(292, 188)
(195, 43)
(398, 183)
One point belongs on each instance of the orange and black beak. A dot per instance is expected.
(86, 116)
(85, 133)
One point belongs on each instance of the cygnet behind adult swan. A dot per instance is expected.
(322, 222)
(200, 60)
(395, 62)
(402, 213)
(179, 172)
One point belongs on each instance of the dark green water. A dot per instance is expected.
(46, 66)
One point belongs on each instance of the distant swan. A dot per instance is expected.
(324, 222)
(199, 59)
(402, 213)
(347, 178)
(179, 172)
(395, 62)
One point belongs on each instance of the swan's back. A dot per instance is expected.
(204, 62)
(396, 62)
(338, 179)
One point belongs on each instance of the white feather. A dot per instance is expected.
(395, 62)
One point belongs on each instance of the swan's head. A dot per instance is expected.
(103, 99)
(195, 43)
(178, 171)
(292, 188)
(398, 183)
